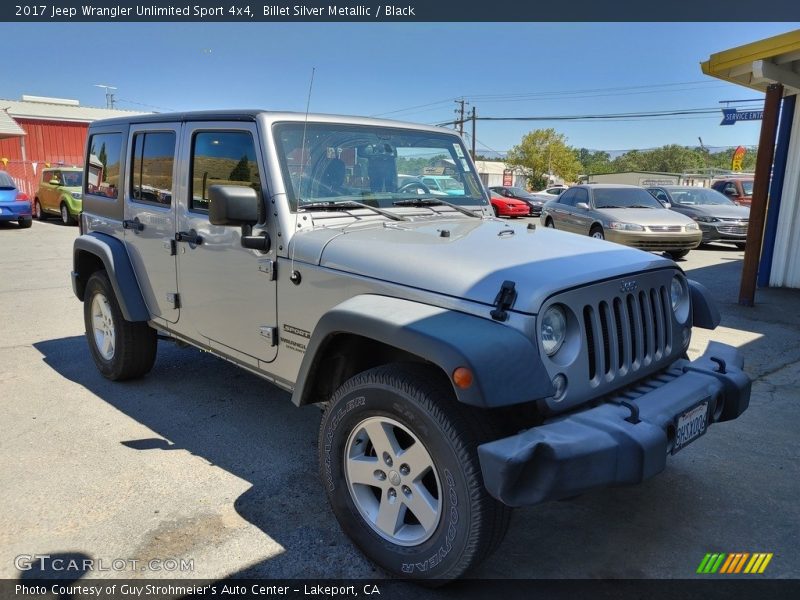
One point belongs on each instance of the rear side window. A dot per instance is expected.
(568, 197)
(103, 164)
(151, 167)
(222, 158)
(6, 182)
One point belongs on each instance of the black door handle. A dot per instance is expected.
(133, 224)
(190, 237)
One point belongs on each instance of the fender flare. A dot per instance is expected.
(112, 254)
(505, 364)
(705, 313)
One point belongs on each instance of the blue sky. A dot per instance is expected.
(384, 68)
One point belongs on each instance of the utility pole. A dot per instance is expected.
(473, 132)
(460, 113)
(109, 94)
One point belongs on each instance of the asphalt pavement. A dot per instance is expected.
(205, 465)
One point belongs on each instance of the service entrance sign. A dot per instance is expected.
(731, 115)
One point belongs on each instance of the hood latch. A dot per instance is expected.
(504, 300)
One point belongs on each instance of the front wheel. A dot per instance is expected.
(120, 349)
(597, 233)
(676, 254)
(66, 218)
(398, 459)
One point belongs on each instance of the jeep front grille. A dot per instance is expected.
(626, 333)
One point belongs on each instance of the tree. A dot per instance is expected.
(593, 162)
(241, 172)
(542, 152)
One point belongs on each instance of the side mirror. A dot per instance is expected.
(582, 205)
(666, 204)
(238, 205)
(233, 205)
(55, 181)
(730, 192)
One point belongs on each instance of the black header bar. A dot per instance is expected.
(399, 11)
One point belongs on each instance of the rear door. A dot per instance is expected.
(228, 293)
(149, 214)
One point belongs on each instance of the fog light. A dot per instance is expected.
(462, 377)
(560, 385)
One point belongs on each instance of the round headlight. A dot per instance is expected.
(553, 329)
(679, 298)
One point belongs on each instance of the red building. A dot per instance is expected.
(38, 132)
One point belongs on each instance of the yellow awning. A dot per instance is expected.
(757, 65)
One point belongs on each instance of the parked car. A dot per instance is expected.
(14, 205)
(738, 189)
(465, 365)
(444, 184)
(553, 190)
(720, 220)
(59, 194)
(626, 214)
(504, 206)
(535, 202)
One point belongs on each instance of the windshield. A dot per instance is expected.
(520, 193)
(373, 165)
(72, 178)
(624, 198)
(696, 196)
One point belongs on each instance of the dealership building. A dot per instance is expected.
(772, 66)
(38, 132)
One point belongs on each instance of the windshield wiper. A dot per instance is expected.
(640, 206)
(435, 202)
(344, 204)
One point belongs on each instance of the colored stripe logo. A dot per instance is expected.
(737, 562)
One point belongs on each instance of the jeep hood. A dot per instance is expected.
(471, 258)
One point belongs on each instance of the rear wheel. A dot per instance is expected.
(25, 222)
(398, 458)
(37, 211)
(120, 349)
(549, 223)
(597, 233)
(676, 254)
(66, 218)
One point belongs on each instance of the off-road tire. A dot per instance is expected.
(471, 524)
(135, 344)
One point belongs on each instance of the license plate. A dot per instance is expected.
(690, 426)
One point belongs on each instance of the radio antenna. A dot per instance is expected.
(295, 276)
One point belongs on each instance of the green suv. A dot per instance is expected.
(59, 194)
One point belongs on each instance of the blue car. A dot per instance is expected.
(14, 205)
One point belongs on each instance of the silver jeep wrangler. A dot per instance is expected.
(465, 364)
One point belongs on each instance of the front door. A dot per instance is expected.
(150, 215)
(227, 292)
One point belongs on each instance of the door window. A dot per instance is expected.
(221, 158)
(104, 161)
(568, 197)
(151, 167)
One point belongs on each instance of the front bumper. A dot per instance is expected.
(656, 241)
(734, 232)
(605, 445)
